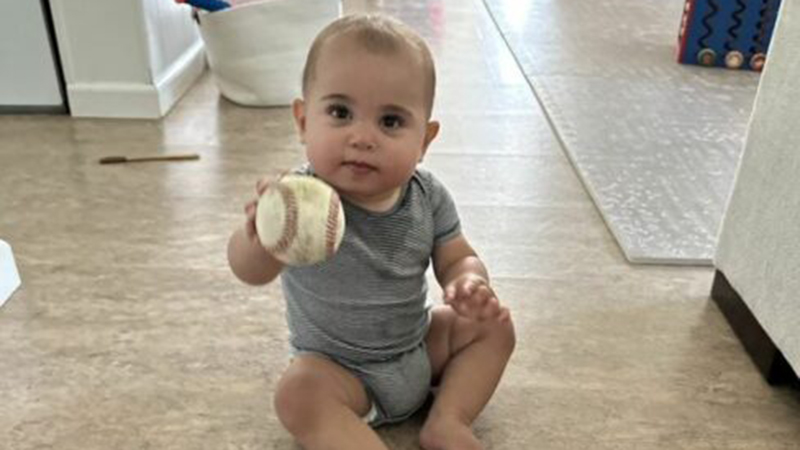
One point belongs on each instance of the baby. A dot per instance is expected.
(367, 348)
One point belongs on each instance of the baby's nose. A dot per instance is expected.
(363, 137)
(363, 144)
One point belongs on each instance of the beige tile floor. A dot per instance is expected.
(130, 332)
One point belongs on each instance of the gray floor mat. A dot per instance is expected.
(656, 143)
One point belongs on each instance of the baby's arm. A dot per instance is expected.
(465, 281)
(248, 259)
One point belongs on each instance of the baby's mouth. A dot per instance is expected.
(360, 167)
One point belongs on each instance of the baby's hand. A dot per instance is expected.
(250, 207)
(471, 296)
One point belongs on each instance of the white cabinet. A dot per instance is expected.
(29, 79)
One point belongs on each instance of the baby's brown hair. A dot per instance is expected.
(378, 34)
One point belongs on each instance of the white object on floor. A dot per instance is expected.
(257, 51)
(9, 276)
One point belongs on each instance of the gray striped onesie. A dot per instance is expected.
(365, 308)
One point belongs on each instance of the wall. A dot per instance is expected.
(174, 48)
(171, 32)
(759, 245)
(28, 78)
(126, 58)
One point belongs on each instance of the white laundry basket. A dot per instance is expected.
(256, 51)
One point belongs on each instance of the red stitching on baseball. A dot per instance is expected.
(331, 228)
(290, 220)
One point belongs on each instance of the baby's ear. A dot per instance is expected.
(431, 131)
(299, 112)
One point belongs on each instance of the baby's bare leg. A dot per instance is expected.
(321, 404)
(468, 357)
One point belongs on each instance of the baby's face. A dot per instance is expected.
(364, 120)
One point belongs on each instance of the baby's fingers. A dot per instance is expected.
(449, 293)
(468, 288)
(250, 224)
(462, 308)
(504, 315)
(492, 308)
(453, 297)
(468, 306)
(250, 209)
(250, 229)
(480, 295)
(262, 184)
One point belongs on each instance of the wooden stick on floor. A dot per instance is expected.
(129, 159)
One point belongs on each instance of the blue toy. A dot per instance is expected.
(727, 33)
(208, 5)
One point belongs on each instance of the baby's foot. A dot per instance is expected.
(446, 433)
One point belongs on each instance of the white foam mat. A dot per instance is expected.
(655, 143)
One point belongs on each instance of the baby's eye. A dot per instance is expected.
(392, 121)
(339, 112)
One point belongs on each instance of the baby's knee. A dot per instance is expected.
(294, 403)
(503, 332)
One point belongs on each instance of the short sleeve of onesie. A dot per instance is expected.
(445, 216)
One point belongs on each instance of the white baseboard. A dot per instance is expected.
(180, 76)
(119, 100)
(139, 100)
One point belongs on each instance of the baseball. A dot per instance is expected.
(300, 220)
